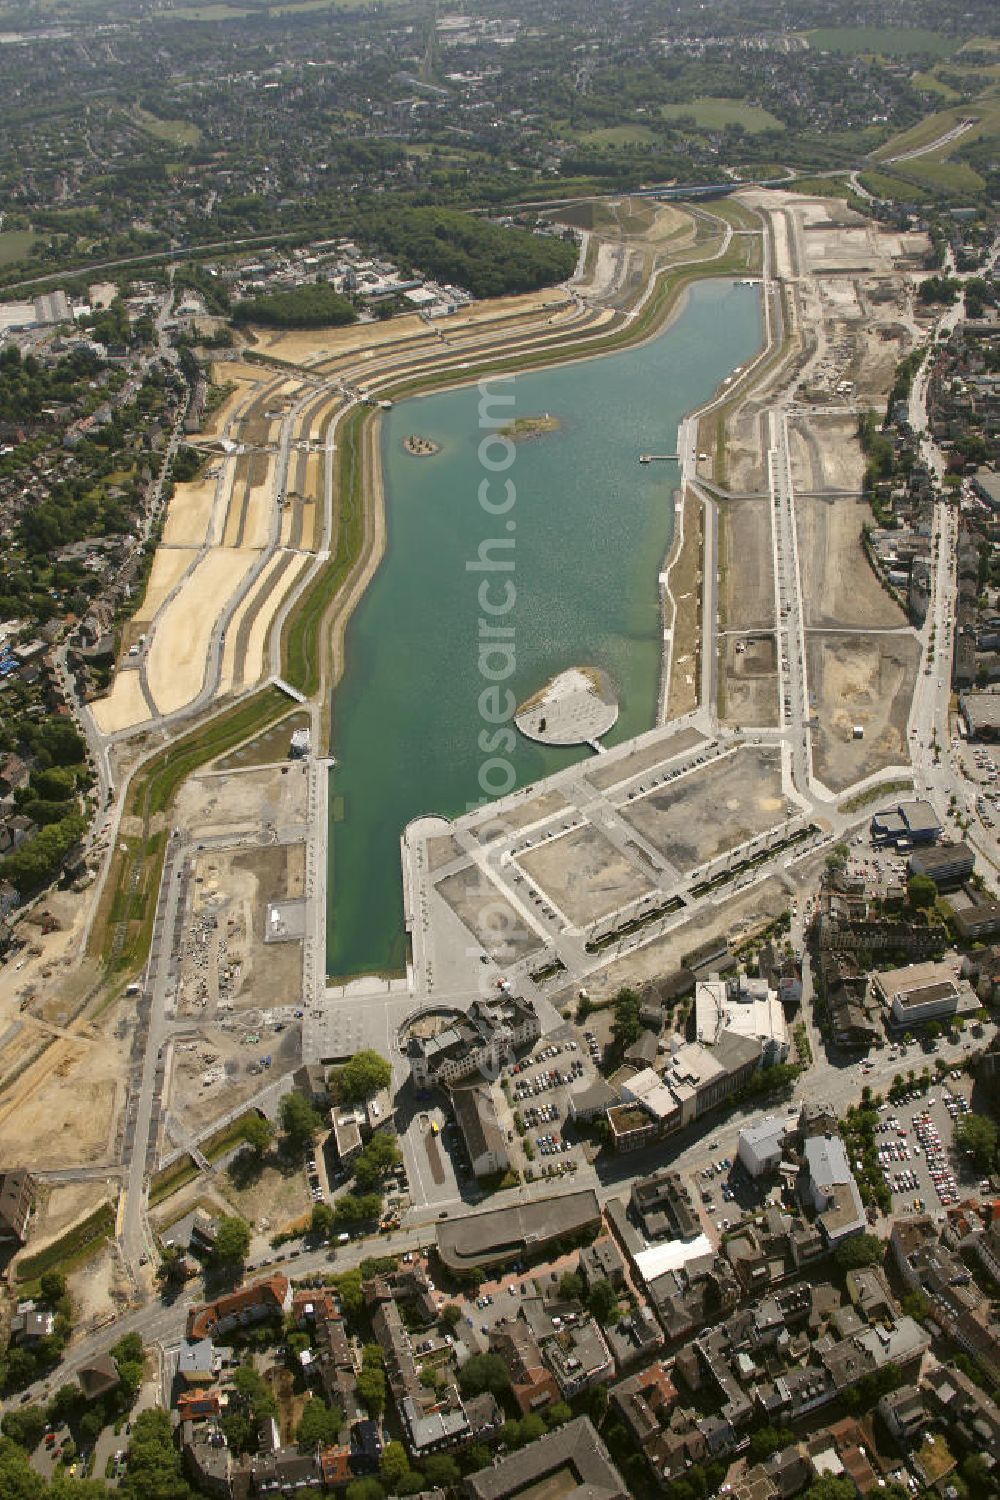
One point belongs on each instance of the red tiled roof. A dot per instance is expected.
(203, 1320)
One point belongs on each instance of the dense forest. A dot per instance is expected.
(449, 246)
(303, 307)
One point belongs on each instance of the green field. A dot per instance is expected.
(715, 114)
(929, 83)
(619, 135)
(219, 10)
(15, 244)
(985, 111)
(900, 41)
(946, 176)
(885, 185)
(174, 132)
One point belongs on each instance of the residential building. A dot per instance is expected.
(602, 1261)
(957, 1306)
(17, 1190)
(251, 1304)
(98, 1376)
(904, 1413)
(830, 1186)
(533, 1385)
(663, 1205)
(485, 1141)
(573, 1452)
(760, 1146)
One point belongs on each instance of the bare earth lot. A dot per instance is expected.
(746, 592)
(488, 915)
(838, 585)
(584, 875)
(750, 667)
(863, 680)
(825, 453)
(720, 806)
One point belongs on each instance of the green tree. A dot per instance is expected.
(831, 1487)
(393, 1464)
(570, 1286)
(626, 1026)
(232, 1240)
(366, 1073)
(299, 1120)
(371, 1390)
(364, 1489)
(768, 1440)
(860, 1250)
(377, 1159)
(441, 1470)
(321, 1220)
(154, 1464)
(319, 1425)
(922, 891)
(558, 1413)
(52, 1287)
(603, 1301)
(258, 1133)
(484, 1372)
(977, 1135)
(24, 1425)
(451, 1315)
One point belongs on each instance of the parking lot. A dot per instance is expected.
(539, 1088)
(915, 1142)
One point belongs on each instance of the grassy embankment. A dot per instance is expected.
(71, 1249)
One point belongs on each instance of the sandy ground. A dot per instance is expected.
(244, 377)
(746, 472)
(69, 1118)
(311, 346)
(253, 661)
(60, 1205)
(189, 514)
(584, 875)
(177, 656)
(232, 803)
(746, 566)
(125, 705)
(236, 624)
(864, 680)
(838, 584)
(169, 566)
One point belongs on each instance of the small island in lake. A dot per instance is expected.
(576, 707)
(420, 447)
(529, 427)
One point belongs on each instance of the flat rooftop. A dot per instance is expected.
(499, 1233)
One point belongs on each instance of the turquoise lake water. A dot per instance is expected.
(591, 528)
